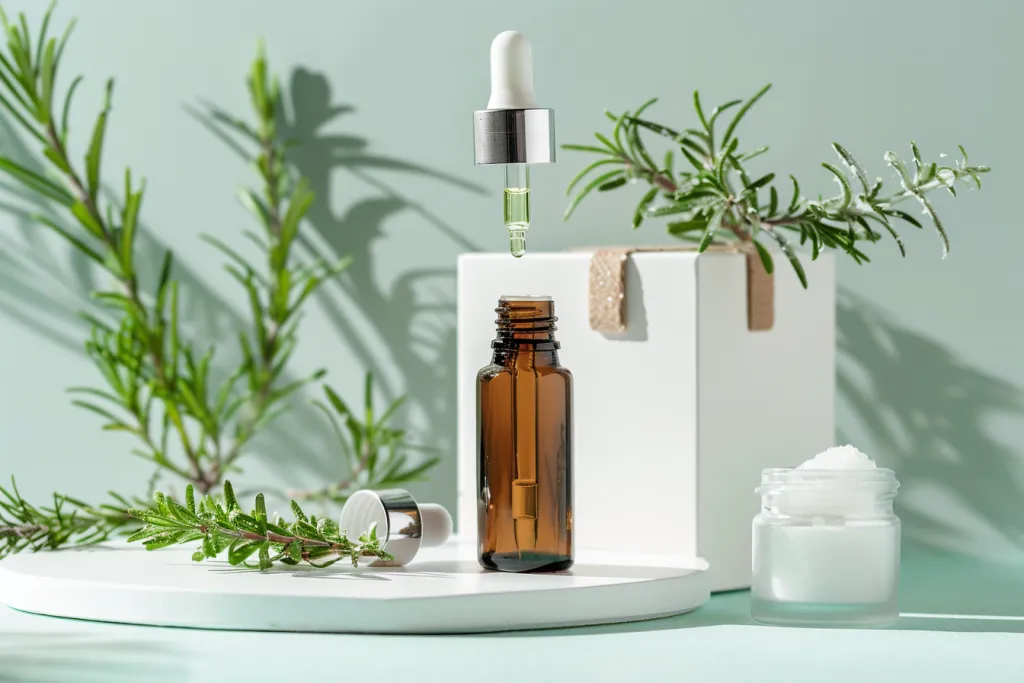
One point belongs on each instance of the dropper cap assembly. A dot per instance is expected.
(403, 525)
(513, 130)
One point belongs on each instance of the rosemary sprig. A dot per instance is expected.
(68, 522)
(714, 199)
(276, 296)
(376, 453)
(157, 384)
(224, 527)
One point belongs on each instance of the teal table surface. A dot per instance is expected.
(962, 619)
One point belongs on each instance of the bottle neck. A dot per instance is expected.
(526, 325)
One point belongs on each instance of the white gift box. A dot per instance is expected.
(676, 416)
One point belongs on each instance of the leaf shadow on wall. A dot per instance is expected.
(37, 285)
(403, 332)
(928, 415)
(414, 318)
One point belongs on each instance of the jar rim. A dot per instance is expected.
(772, 479)
(874, 473)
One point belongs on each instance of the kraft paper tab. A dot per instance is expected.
(607, 287)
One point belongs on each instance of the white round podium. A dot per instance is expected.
(443, 591)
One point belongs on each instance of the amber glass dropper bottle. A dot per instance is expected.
(524, 437)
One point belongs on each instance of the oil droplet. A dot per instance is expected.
(517, 242)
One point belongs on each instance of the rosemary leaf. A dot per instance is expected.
(699, 195)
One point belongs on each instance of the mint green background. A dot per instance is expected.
(929, 369)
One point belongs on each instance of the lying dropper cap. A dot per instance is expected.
(403, 525)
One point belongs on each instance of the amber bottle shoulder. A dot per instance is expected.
(497, 370)
(489, 372)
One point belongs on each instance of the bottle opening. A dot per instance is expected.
(526, 318)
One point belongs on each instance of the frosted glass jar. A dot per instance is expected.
(826, 548)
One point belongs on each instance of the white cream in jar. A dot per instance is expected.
(826, 545)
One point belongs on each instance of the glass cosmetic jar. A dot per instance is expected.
(826, 548)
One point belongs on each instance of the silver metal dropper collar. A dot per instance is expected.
(514, 136)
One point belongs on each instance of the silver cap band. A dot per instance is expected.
(514, 136)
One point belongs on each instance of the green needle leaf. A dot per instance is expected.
(901, 170)
(714, 223)
(590, 167)
(905, 216)
(847, 194)
(243, 551)
(678, 228)
(229, 497)
(930, 210)
(67, 108)
(587, 148)
(614, 149)
(47, 70)
(42, 31)
(617, 131)
(129, 220)
(760, 182)
(612, 184)
(264, 557)
(368, 398)
(790, 254)
(700, 112)
(795, 202)
(261, 513)
(694, 161)
(766, 258)
(643, 107)
(881, 219)
(72, 239)
(720, 109)
(297, 511)
(93, 156)
(36, 182)
(638, 215)
(587, 189)
(742, 112)
(853, 165)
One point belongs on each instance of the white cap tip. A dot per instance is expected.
(511, 72)
(436, 524)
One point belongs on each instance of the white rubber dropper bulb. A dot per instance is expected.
(436, 524)
(511, 72)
